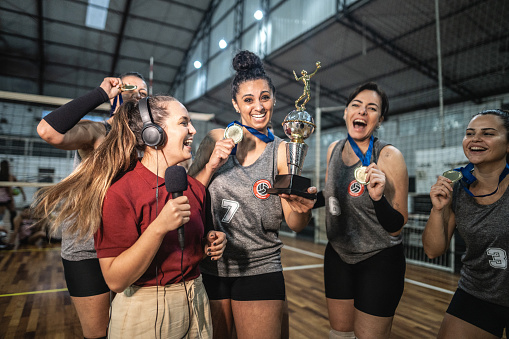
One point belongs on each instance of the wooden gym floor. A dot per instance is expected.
(34, 302)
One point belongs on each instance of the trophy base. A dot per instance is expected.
(292, 184)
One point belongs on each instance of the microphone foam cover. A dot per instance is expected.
(175, 179)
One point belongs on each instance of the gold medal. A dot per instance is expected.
(127, 87)
(453, 175)
(234, 132)
(360, 175)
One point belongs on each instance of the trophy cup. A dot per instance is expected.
(298, 126)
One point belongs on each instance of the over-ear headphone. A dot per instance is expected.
(152, 134)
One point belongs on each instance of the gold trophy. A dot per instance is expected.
(298, 126)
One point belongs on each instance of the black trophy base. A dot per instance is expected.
(292, 184)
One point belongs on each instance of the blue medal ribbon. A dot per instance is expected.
(114, 106)
(265, 138)
(469, 178)
(365, 159)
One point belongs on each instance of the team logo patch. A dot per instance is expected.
(355, 188)
(260, 188)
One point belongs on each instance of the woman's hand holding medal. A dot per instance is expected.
(441, 193)
(375, 179)
(220, 154)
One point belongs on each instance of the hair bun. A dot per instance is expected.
(246, 61)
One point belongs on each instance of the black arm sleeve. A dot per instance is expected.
(67, 116)
(390, 219)
(320, 200)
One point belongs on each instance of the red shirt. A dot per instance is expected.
(129, 208)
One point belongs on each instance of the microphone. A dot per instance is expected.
(175, 180)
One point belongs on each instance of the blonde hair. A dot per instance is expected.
(78, 199)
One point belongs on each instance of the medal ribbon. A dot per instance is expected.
(265, 138)
(469, 178)
(114, 106)
(365, 159)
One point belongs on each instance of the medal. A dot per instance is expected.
(360, 172)
(360, 175)
(127, 87)
(453, 175)
(235, 132)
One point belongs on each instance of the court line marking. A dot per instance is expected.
(298, 250)
(311, 254)
(431, 287)
(303, 267)
(33, 292)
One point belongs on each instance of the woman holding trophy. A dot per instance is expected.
(246, 286)
(365, 194)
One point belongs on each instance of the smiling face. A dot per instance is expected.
(255, 102)
(139, 93)
(485, 139)
(363, 115)
(179, 131)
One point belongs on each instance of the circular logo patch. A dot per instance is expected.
(355, 188)
(260, 188)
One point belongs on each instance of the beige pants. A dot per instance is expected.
(150, 312)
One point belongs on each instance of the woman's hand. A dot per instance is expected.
(376, 179)
(220, 154)
(299, 204)
(175, 213)
(441, 193)
(111, 86)
(215, 244)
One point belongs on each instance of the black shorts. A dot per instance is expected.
(269, 286)
(375, 284)
(84, 278)
(490, 317)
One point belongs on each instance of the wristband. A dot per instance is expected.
(390, 219)
(320, 200)
(67, 116)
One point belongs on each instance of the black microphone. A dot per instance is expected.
(175, 180)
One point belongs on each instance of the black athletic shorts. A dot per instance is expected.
(269, 286)
(488, 316)
(375, 284)
(84, 278)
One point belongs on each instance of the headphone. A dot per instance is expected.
(152, 134)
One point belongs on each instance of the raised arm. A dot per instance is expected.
(388, 188)
(442, 222)
(318, 65)
(211, 155)
(295, 75)
(63, 129)
(296, 209)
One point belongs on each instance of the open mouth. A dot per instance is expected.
(476, 149)
(358, 123)
(259, 116)
(188, 142)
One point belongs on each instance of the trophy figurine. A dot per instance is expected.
(298, 126)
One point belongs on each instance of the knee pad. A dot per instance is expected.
(333, 334)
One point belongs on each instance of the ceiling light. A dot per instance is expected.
(197, 64)
(222, 44)
(258, 15)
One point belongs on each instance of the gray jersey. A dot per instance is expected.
(485, 230)
(72, 248)
(248, 215)
(353, 229)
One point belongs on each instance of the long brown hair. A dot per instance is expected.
(78, 199)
